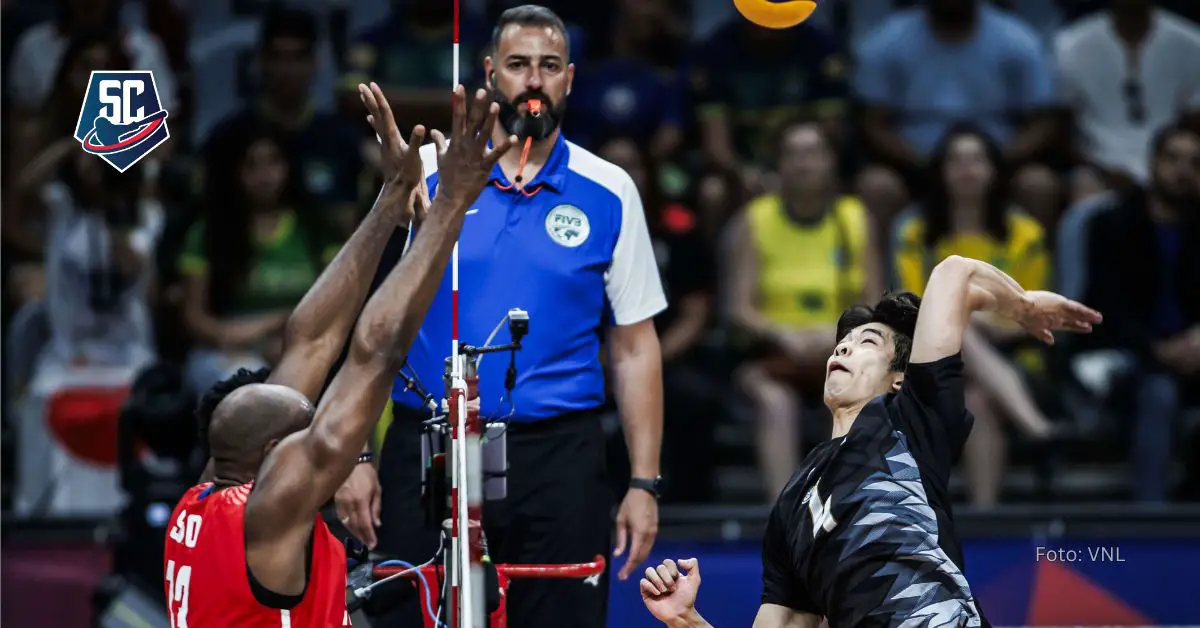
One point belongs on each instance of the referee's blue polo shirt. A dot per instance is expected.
(576, 255)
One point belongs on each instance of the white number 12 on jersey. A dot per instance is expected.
(821, 513)
(178, 584)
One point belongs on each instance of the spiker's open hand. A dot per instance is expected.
(1044, 313)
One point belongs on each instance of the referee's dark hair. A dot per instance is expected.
(530, 15)
(898, 311)
(219, 391)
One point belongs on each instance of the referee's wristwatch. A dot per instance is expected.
(654, 487)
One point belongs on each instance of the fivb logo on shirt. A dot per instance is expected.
(121, 119)
(568, 225)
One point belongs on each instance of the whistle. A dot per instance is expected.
(535, 107)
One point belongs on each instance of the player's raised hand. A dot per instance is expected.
(1046, 312)
(464, 159)
(400, 161)
(669, 590)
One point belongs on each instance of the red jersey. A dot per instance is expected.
(207, 581)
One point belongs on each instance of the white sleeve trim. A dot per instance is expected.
(632, 282)
(429, 162)
(429, 167)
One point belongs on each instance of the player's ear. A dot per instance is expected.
(570, 77)
(897, 380)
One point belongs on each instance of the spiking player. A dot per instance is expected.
(862, 535)
(249, 548)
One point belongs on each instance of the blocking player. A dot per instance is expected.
(249, 548)
(862, 535)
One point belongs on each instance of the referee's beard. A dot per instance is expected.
(517, 120)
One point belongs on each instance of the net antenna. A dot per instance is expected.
(467, 602)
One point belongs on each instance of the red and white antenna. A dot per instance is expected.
(467, 600)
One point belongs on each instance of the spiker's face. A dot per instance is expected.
(860, 368)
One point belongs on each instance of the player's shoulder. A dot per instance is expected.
(949, 362)
(214, 499)
(797, 486)
(926, 382)
(191, 499)
(197, 491)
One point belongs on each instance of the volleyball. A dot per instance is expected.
(771, 14)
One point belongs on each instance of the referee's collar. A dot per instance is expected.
(552, 175)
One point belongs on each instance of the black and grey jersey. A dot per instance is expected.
(863, 533)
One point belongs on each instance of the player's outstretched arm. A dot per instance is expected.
(317, 329)
(304, 470)
(959, 286)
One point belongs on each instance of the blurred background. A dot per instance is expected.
(785, 174)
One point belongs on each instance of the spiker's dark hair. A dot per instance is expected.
(219, 391)
(898, 311)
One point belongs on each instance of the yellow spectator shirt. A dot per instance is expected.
(808, 273)
(1024, 257)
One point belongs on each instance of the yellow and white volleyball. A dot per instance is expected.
(772, 14)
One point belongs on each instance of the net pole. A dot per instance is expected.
(457, 372)
(456, 377)
(466, 583)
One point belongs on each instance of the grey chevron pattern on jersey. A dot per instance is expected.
(919, 568)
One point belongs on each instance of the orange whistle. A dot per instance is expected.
(535, 107)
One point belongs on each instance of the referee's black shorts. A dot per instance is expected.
(558, 510)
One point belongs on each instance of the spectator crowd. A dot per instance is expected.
(785, 174)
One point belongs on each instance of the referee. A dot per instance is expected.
(560, 233)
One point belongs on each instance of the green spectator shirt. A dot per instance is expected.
(280, 275)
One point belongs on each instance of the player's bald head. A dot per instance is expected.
(249, 421)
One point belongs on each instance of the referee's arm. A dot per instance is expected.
(636, 296)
